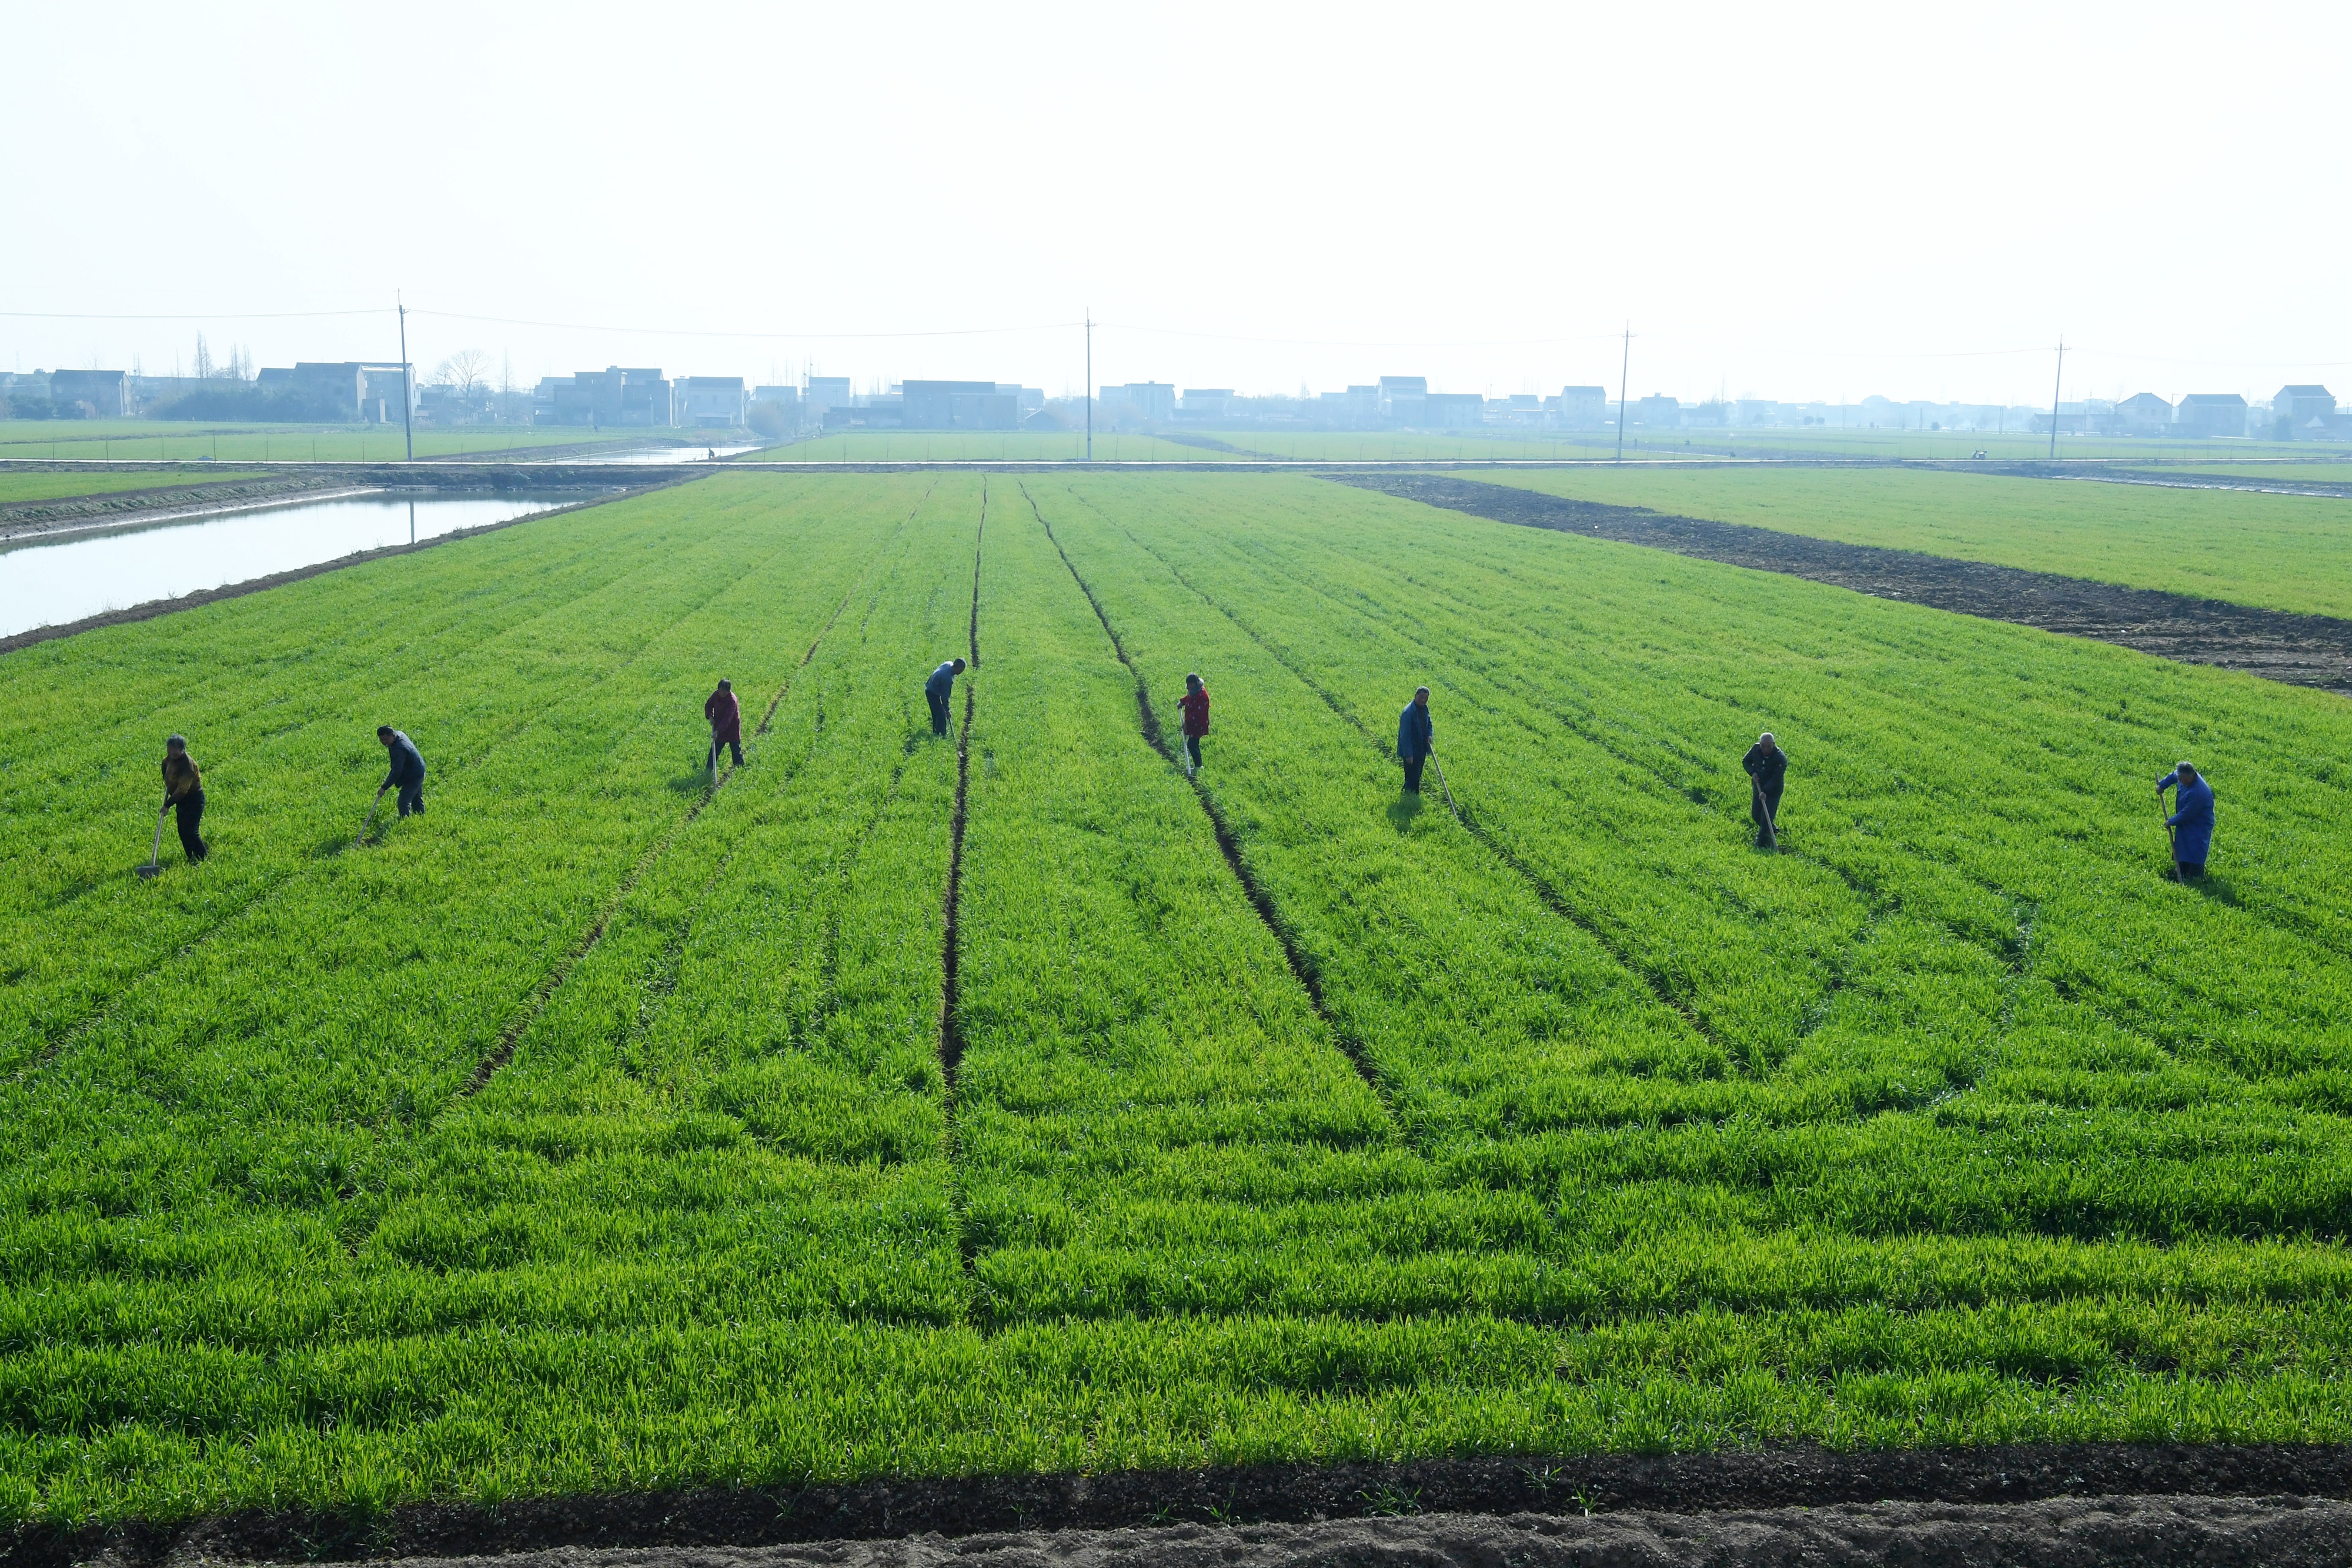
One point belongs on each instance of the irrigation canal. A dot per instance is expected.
(52, 579)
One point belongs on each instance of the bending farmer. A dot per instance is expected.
(2191, 821)
(408, 773)
(725, 717)
(1195, 706)
(1416, 738)
(1768, 769)
(183, 792)
(938, 689)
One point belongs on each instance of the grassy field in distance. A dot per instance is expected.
(1828, 441)
(982, 446)
(163, 440)
(49, 484)
(595, 1130)
(1413, 445)
(2281, 552)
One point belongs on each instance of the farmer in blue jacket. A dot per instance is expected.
(938, 689)
(1416, 738)
(2191, 821)
(407, 774)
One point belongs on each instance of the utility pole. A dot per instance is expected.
(407, 374)
(1088, 390)
(1624, 365)
(2058, 381)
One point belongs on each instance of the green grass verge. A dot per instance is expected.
(166, 440)
(51, 487)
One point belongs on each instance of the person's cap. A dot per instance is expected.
(725, 685)
(1765, 736)
(179, 740)
(1421, 691)
(2188, 768)
(959, 663)
(384, 729)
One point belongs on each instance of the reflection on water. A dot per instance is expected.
(660, 455)
(50, 584)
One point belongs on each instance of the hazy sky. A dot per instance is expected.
(1785, 201)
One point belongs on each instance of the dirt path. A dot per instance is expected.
(2074, 1503)
(2299, 650)
(2075, 1532)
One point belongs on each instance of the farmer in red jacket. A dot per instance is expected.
(725, 717)
(1195, 705)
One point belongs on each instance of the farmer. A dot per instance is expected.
(408, 773)
(1768, 768)
(725, 717)
(2191, 821)
(183, 792)
(1416, 738)
(1195, 707)
(938, 689)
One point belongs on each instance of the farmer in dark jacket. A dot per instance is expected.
(725, 717)
(2191, 821)
(183, 792)
(1767, 768)
(1416, 738)
(1194, 704)
(408, 773)
(938, 689)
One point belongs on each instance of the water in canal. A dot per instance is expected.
(48, 584)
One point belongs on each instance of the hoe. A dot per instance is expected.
(153, 868)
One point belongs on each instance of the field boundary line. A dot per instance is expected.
(1301, 963)
(951, 1043)
(1546, 893)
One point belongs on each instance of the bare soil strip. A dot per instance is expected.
(1951, 1491)
(2277, 645)
(2143, 1532)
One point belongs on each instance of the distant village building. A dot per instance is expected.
(2144, 414)
(1403, 399)
(958, 405)
(1583, 408)
(91, 394)
(711, 403)
(2297, 413)
(1659, 412)
(1358, 408)
(821, 392)
(1205, 403)
(1153, 400)
(352, 389)
(2211, 413)
(612, 397)
(1453, 411)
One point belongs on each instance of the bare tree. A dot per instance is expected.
(204, 366)
(466, 374)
